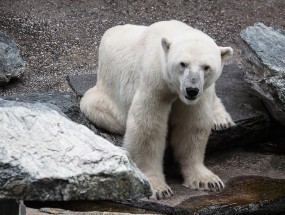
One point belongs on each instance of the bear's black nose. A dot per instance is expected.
(192, 92)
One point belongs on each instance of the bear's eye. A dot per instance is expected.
(183, 65)
(206, 67)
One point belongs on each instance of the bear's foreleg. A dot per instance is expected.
(222, 119)
(190, 130)
(145, 140)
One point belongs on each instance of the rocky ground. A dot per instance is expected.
(61, 37)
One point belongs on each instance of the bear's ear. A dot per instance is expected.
(226, 53)
(165, 44)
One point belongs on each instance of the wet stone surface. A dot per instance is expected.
(254, 184)
(242, 195)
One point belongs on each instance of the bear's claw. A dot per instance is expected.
(204, 179)
(207, 186)
(161, 194)
(223, 122)
(160, 190)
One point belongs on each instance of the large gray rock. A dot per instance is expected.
(47, 157)
(264, 48)
(11, 63)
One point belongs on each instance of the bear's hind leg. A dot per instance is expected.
(101, 111)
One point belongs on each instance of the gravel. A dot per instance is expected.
(61, 37)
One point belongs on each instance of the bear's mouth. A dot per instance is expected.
(191, 98)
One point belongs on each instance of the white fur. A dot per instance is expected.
(141, 82)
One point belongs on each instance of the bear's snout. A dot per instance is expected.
(192, 92)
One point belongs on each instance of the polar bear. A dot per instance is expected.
(153, 76)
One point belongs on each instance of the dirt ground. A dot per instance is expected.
(61, 37)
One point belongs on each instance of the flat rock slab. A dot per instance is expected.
(264, 48)
(11, 63)
(247, 111)
(44, 156)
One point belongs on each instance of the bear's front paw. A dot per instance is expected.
(159, 188)
(222, 121)
(204, 179)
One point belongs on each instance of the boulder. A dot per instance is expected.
(11, 62)
(264, 48)
(47, 157)
(246, 110)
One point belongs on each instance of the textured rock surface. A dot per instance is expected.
(45, 156)
(247, 111)
(264, 48)
(64, 102)
(11, 63)
(69, 105)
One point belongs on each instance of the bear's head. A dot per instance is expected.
(192, 63)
